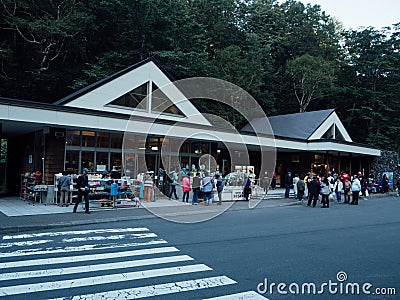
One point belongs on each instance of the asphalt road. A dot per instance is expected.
(230, 254)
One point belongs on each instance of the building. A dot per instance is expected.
(124, 122)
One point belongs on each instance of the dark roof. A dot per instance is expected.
(298, 125)
(103, 81)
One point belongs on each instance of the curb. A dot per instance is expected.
(22, 228)
(17, 229)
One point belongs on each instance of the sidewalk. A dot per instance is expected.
(17, 215)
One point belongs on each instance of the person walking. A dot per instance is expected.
(186, 188)
(220, 187)
(364, 184)
(82, 185)
(385, 184)
(288, 183)
(325, 191)
(64, 182)
(295, 180)
(196, 188)
(301, 186)
(207, 189)
(338, 187)
(247, 188)
(347, 190)
(331, 181)
(313, 191)
(148, 186)
(355, 189)
(273, 182)
(174, 178)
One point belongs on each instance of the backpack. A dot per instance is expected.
(220, 185)
(169, 179)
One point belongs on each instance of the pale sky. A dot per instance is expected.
(356, 13)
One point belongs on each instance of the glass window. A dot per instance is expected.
(115, 161)
(185, 148)
(161, 103)
(87, 160)
(116, 140)
(101, 161)
(72, 161)
(88, 138)
(134, 99)
(73, 138)
(200, 148)
(152, 144)
(103, 139)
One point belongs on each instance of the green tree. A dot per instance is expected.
(312, 78)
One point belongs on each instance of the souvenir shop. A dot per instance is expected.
(95, 128)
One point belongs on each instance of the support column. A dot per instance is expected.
(327, 164)
(350, 164)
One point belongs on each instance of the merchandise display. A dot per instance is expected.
(31, 187)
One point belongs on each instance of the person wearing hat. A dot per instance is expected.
(83, 190)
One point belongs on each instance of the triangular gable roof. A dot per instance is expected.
(100, 94)
(305, 126)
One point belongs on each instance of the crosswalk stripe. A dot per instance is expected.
(24, 243)
(80, 239)
(110, 237)
(97, 280)
(73, 232)
(82, 258)
(250, 295)
(158, 289)
(40, 251)
(94, 268)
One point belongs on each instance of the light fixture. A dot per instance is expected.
(142, 148)
(218, 150)
(154, 148)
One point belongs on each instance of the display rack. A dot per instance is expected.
(31, 187)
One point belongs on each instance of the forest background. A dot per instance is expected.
(289, 56)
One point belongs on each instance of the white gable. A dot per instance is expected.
(333, 126)
(100, 98)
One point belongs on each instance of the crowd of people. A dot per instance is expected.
(342, 187)
(199, 183)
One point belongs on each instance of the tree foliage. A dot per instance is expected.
(289, 56)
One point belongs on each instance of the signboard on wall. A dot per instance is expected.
(101, 168)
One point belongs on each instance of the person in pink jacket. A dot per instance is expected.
(186, 188)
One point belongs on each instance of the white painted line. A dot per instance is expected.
(250, 295)
(75, 232)
(81, 258)
(110, 237)
(158, 289)
(94, 268)
(24, 244)
(98, 280)
(48, 251)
